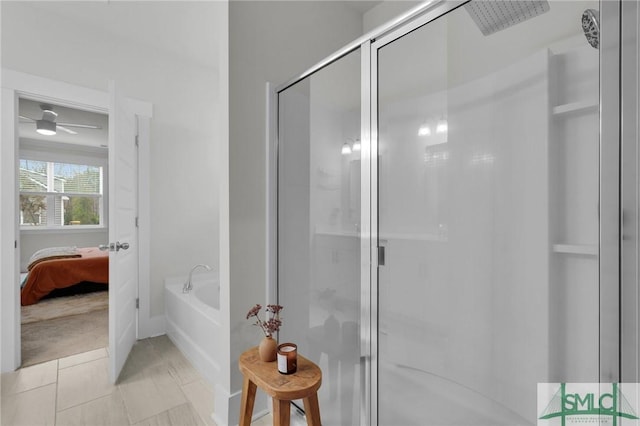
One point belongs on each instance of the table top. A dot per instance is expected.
(305, 381)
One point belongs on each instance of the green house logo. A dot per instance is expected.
(604, 403)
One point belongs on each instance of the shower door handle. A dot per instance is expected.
(381, 255)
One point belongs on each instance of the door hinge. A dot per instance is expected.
(137, 141)
(15, 243)
(137, 225)
(137, 303)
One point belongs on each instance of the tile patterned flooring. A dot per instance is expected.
(158, 386)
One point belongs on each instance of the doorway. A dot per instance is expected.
(63, 218)
(137, 115)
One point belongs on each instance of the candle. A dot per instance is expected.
(287, 358)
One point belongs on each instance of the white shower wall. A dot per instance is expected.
(574, 164)
(476, 268)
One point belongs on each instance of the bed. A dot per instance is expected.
(85, 267)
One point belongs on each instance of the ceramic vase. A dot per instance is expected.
(268, 349)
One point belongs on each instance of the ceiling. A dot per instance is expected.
(87, 137)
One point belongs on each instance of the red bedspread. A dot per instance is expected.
(46, 276)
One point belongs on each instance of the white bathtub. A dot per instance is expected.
(193, 322)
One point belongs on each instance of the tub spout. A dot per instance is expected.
(187, 285)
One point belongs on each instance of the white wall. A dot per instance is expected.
(171, 54)
(384, 12)
(2, 230)
(269, 42)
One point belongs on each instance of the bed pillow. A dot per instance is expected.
(23, 278)
(50, 253)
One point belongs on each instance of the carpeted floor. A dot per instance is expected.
(64, 306)
(66, 329)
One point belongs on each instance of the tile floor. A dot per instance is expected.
(158, 386)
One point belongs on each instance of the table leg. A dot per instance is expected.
(312, 410)
(281, 412)
(248, 398)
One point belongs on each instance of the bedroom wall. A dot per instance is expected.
(170, 54)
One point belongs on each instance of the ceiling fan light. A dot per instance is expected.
(45, 127)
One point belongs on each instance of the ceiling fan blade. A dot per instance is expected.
(26, 118)
(64, 129)
(81, 126)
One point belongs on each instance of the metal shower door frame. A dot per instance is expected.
(630, 191)
(610, 232)
(611, 225)
(370, 279)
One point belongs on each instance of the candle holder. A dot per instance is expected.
(287, 358)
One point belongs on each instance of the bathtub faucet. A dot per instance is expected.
(187, 285)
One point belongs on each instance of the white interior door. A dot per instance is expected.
(123, 238)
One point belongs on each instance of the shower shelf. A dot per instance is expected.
(575, 108)
(581, 249)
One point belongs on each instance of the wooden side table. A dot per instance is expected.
(282, 388)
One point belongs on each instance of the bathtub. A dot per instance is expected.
(193, 322)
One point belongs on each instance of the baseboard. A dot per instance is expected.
(151, 327)
(227, 405)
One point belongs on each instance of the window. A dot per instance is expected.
(60, 194)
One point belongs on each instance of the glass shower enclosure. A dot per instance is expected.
(447, 216)
(318, 229)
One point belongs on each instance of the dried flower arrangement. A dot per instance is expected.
(269, 325)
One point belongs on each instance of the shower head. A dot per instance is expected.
(591, 27)
(494, 15)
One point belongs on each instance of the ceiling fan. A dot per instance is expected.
(48, 126)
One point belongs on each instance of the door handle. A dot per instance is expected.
(114, 247)
(121, 246)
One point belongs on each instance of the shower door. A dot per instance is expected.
(318, 265)
(488, 173)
